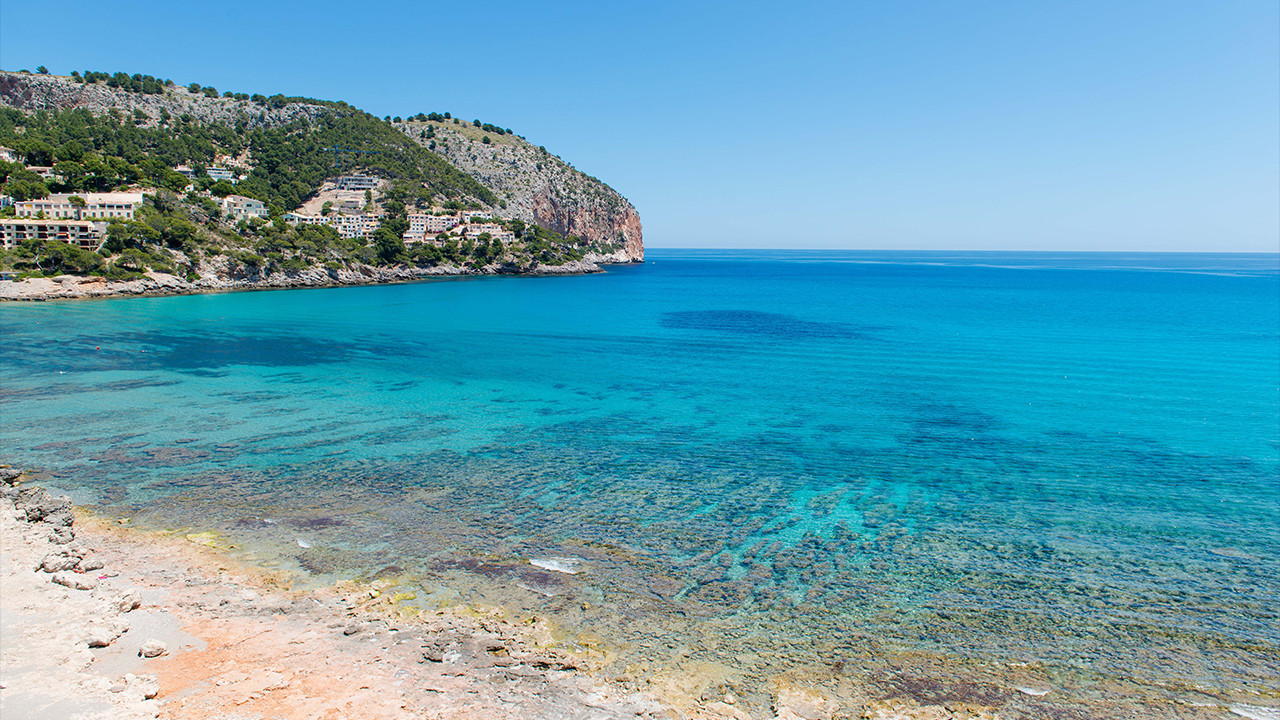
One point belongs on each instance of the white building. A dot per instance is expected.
(8, 154)
(424, 224)
(354, 226)
(241, 208)
(417, 231)
(81, 233)
(356, 182)
(297, 219)
(469, 215)
(97, 206)
(491, 228)
(441, 223)
(221, 173)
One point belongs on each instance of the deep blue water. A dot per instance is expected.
(1071, 460)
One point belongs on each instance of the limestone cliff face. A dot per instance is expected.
(30, 93)
(538, 187)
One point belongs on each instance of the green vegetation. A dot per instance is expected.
(184, 234)
(136, 83)
(97, 153)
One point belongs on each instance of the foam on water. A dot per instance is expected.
(1254, 712)
(569, 566)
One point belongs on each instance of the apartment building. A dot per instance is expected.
(441, 223)
(354, 226)
(97, 206)
(82, 233)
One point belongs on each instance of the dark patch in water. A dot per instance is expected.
(751, 322)
(64, 389)
(389, 571)
(934, 691)
(316, 523)
(541, 578)
(253, 523)
(473, 565)
(322, 560)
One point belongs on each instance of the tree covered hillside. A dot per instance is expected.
(99, 152)
(182, 230)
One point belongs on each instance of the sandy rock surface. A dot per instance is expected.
(165, 629)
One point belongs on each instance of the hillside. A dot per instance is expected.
(98, 132)
(534, 185)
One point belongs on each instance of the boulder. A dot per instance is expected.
(99, 637)
(37, 505)
(148, 685)
(57, 562)
(90, 562)
(153, 648)
(75, 580)
(127, 601)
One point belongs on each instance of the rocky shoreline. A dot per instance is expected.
(100, 620)
(72, 287)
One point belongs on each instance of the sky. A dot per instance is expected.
(903, 125)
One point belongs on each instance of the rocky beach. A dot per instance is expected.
(73, 287)
(102, 620)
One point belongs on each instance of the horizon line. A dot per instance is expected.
(976, 250)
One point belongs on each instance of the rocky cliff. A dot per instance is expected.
(30, 93)
(536, 186)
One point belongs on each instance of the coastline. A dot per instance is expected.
(235, 637)
(82, 287)
(228, 635)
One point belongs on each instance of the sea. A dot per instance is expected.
(1043, 482)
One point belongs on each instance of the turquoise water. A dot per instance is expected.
(773, 460)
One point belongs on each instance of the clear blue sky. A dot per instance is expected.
(943, 125)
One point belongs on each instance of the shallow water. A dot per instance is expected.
(943, 474)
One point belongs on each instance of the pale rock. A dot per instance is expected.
(75, 581)
(57, 562)
(796, 703)
(148, 685)
(725, 711)
(129, 600)
(153, 648)
(90, 562)
(100, 637)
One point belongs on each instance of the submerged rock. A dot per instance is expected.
(320, 560)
